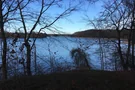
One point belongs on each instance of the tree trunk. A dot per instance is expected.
(4, 60)
(35, 58)
(101, 54)
(4, 46)
(120, 51)
(128, 49)
(133, 36)
(132, 66)
(28, 65)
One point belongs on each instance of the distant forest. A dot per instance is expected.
(21, 35)
(102, 33)
(92, 33)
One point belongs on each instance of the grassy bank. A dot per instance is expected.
(73, 80)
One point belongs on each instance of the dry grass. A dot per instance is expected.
(73, 80)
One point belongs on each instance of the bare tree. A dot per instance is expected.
(38, 20)
(7, 11)
(118, 15)
(131, 7)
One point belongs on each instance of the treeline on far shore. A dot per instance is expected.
(22, 35)
(94, 33)
(33, 35)
(87, 33)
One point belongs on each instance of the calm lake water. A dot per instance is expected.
(56, 50)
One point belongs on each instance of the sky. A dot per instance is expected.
(75, 21)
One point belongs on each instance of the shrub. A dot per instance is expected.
(80, 58)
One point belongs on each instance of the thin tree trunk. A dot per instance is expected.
(35, 58)
(133, 51)
(28, 67)
(132, 66)
(4, 60)
(129, 47)
(101, 54)
(133, 40)
(115, 64)
(120, 52)
(4, 51)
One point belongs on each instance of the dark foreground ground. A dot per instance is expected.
(73, 80)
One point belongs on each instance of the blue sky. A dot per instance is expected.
(75, 21)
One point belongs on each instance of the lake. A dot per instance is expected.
(54, 52)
